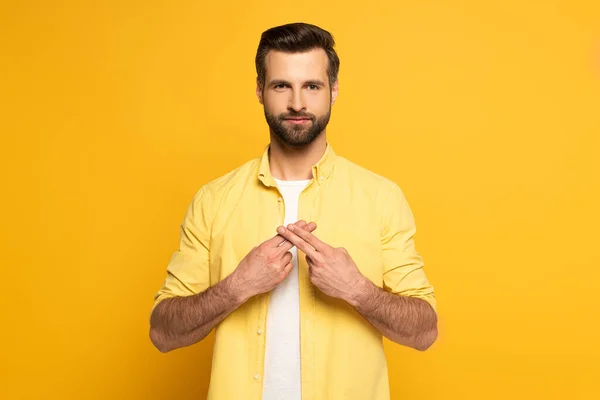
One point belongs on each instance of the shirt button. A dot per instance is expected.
(259, 331)
(256, 377)
(321, 178)
(279, 199)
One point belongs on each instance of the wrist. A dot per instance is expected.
(235, 291)
(361, 292)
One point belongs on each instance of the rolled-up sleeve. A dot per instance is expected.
(403, 272)
(188, 271)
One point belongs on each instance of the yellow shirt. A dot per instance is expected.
(342, 355)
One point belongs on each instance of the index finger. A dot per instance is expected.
(279, 240)
(309, 238)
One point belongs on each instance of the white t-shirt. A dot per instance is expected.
(282, 379)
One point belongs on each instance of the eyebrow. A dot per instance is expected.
(276, 82)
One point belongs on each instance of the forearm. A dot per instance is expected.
(405, 320)
(182, 321)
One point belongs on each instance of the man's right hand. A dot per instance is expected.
(266, 265)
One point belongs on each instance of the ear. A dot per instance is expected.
(334, 91)
(259, 91)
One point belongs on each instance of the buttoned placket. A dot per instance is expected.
(261, 323)
(307, 294)
(306, 289)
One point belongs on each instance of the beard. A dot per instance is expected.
(297, 135)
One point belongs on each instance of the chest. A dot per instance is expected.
(344, 219)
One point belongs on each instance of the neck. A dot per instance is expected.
(295, 163)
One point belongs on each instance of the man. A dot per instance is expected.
(291, 327)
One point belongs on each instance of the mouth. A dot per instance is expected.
(297, 120)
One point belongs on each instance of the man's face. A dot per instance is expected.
(296, 95)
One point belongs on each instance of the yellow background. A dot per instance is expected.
(487, 114)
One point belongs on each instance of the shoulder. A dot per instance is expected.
(233, 177)
(214, 190)
(384, 194)
(365, 177)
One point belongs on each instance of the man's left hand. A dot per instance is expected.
(331, 269)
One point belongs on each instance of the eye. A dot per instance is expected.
(313, 87)
(280, 86)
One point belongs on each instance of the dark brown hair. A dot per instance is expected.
(296, 38)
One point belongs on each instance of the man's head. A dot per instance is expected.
(297, 83)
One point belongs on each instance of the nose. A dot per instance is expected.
(296, 101)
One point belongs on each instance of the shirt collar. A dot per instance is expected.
(321, 170)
